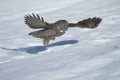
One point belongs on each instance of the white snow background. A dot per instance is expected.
(80, 54)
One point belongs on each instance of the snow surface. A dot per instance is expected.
(80, 54)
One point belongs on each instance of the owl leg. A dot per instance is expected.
(45, 41)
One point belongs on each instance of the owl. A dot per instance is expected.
(49, 31)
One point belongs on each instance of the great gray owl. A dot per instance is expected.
(49, 31)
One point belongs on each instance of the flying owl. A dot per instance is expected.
(49, 31)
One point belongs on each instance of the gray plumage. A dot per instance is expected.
(52, 30)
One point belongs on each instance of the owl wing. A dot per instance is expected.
(34, 21)
(89, 23)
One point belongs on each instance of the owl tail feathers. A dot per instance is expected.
(87, 23)
(37, 34)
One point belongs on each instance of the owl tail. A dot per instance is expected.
(37, 34)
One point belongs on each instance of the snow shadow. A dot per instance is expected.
(62, 43)
(37, 49)
(30, 50)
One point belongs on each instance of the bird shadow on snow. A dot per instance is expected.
(37, 49)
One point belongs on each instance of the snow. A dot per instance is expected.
(80, 54)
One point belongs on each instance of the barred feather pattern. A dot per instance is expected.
(58, 29)
(49, 31)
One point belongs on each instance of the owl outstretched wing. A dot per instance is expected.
(90, 22)
(35, 21)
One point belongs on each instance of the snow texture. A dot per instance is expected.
(80, 54)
